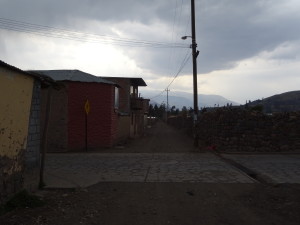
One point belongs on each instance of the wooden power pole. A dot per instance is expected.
(167, 90)
(195, 54)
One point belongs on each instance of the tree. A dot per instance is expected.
(173, 110)
(161, 110)
(155, 110)
(184, 111)
(151, 110)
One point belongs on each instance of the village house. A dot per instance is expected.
(133, 109)
(83, 113)
(20, 137)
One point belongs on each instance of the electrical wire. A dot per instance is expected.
(47, 31)
(52, 32)
(176, 22)
(184, 62)
(180, 69)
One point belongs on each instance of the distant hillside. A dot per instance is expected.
(286, 102)
(180, 99)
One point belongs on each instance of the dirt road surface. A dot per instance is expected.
(162, 203)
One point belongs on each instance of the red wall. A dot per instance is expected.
(124, 96)
(101, 120)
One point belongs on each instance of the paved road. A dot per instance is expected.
(272, 168)
(164, 155)
(73, 170)
(82, 170)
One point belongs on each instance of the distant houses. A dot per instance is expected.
(132, 109)
(89, 112)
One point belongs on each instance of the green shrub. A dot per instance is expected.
(257, 108)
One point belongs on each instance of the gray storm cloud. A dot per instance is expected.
(227, 31)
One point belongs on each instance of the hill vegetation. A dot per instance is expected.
(285, 102)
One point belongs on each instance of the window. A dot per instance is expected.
(116, 98)
(133, 91)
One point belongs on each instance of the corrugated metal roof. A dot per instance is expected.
(72, 75)
(136, 81)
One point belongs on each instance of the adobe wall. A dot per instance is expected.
(123, 128)
(57, 136)
(137, 128)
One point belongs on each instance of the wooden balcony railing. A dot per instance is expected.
(137, 103)
(140, 104)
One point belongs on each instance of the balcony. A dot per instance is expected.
(140, 104)
(137, 103)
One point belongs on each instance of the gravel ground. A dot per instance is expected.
(178, 203)
(165, 203)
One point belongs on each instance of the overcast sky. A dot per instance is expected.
(248, 49)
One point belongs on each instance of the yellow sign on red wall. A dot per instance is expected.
(87, 107)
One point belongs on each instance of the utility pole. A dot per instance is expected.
(195, 54)
(167, 90)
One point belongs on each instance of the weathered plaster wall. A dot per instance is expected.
(123, 132)
(15, 101)
(137, 124)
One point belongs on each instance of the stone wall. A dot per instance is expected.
(249, 131)
(241, 130)
(32, 152)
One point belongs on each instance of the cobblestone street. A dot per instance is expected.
(67, 170)
(165, 156)
(275, 168)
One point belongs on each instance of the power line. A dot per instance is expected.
(180, 69)
(52, 32)
(47, 31)
(175, 22)
(184, 62)
(170, 65)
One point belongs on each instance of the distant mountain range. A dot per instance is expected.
(285, 102)
(180, 99)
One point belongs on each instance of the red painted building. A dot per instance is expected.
(82, 114)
